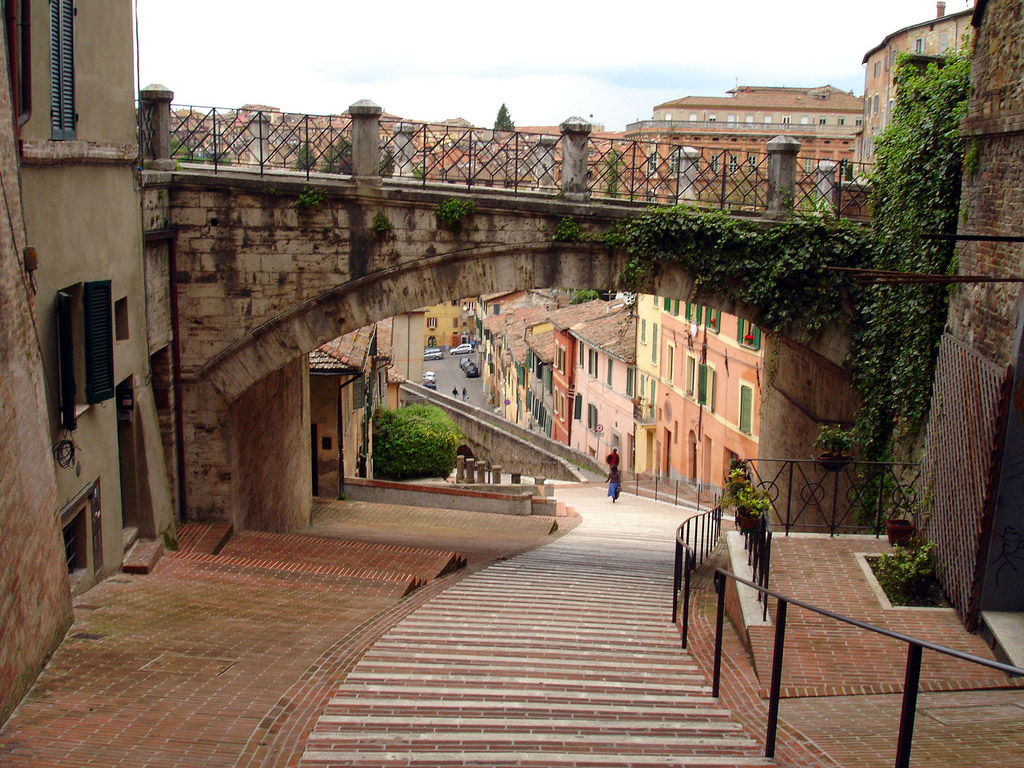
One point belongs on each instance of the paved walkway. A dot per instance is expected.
(563, 656)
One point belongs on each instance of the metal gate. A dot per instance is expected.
(969, 399)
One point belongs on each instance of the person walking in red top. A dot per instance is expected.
(612, 459)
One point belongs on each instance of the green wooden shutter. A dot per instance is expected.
(757, 337)
(712, 388)
(654, 343)
(630, 385)
(609, 372)
(547, 379)
(668, 304)
(99, 341)
(577, 410)
(746, 409)
(698, 314)
(702, 384)
(359, 393)
(65, 361)
(62, 70)
(739, 329)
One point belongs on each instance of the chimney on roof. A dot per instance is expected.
(940, 9)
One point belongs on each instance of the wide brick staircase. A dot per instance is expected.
(563, 656)
(393, 566)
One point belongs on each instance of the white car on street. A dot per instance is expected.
(462, 349)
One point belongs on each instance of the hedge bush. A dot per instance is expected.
(414, 441)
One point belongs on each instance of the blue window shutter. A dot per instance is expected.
(66, 361)
(99, 341)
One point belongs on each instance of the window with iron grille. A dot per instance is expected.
(62, 70)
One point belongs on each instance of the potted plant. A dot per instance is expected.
(899, 531)
(834, 445)
(751, 503)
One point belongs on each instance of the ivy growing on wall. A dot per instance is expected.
(918, 168)
(781, 269)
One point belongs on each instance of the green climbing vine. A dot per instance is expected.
(916, 190)
(782, 269)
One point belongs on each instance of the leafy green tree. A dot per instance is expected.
(305, 157)
(338, 157)
(503, 122)
(414, 441)
(582, 297)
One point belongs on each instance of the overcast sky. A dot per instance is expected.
(546, 60)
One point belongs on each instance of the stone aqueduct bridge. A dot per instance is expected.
(258, 284)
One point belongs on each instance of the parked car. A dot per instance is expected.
(472, 372)
(432, 353)
(429, 375)
(465, 362)
(462, 349)
(430, 384)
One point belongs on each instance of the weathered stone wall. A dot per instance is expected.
(35, 604)
(270, 446)
(986, 316)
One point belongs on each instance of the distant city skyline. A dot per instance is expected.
(546, 61)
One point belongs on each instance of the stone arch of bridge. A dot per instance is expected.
(249, 266)
(252, 391)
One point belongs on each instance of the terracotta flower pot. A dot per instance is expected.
(899, 532)
(832, 462)
(746, 521)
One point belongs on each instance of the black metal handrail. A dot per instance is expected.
(915, 649)
(674, 491)
(703, 531)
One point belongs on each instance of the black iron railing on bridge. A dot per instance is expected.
(630, 170)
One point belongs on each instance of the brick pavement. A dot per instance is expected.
(217, 660)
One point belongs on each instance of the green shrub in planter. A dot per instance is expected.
(414, 441)
(907, 574)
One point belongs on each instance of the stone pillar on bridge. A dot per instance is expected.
(782, 151)
(544, 160)
(259, 132)
(575, 140)
(460, 468)
(470, 471)
(404, 149)
(155, 101)
(689, 167)
(825, 182)
(365, 142)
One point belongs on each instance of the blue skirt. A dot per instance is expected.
(613, 490)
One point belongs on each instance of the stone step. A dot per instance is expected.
(143, 556)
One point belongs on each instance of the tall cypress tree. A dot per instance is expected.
(503, 122)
